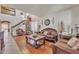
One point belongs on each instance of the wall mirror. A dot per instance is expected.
(47, 22)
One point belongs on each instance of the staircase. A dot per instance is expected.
(22, 25)
(11, 46)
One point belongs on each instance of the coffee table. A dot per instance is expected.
(35, 40)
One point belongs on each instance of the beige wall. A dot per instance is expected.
(69, 16)
(13, 19)
(75, 15)
(0, 7)
(64, 16)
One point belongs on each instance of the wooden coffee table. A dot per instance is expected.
(35, 40)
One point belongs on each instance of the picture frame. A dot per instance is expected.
(7, 10)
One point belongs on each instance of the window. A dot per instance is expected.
(34, 26)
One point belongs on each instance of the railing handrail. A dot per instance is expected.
(14, 26)
(17, 24)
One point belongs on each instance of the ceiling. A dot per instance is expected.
(41, 9)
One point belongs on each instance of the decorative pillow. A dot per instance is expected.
(72, 42)
(45, 33)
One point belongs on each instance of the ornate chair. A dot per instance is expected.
(19, 32)
(51, 34)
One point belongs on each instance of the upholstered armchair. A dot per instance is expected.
(19, 32)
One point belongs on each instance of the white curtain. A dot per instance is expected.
(34, 26)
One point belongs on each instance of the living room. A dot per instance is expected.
(39, 28)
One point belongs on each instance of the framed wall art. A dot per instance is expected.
(5, 9)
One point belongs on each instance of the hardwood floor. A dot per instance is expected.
(49, 48)
(26, 48)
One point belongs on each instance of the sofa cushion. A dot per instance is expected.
(72, 42)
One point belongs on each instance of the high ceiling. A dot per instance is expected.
(41, 9)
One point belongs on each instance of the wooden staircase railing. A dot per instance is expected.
(14, 26)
